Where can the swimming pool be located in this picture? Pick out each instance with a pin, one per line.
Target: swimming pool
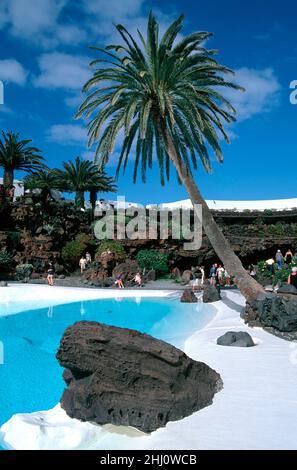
(30, 376)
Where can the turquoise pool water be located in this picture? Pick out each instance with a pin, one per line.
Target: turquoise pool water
(30, 376)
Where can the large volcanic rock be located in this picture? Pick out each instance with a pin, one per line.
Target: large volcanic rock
(121, 376)
(210, 293)
(188, 296)
(271, 310)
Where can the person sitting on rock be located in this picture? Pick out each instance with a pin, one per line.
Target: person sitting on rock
(292, 279)
(119, 281)
(137, 279)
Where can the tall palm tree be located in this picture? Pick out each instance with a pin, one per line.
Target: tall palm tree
(81, 176)
(45, 180)
(16, 154)
(167, 96)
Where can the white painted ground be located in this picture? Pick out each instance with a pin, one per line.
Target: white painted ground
(17, 298)
(255, 410)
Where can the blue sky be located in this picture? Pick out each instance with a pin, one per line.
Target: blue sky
(44, 63)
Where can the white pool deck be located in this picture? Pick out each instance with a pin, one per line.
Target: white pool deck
(257, 409)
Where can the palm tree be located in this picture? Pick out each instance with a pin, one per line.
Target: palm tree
(16, 154)
(164, 95)
(81, 176)
(167, 96)
(104, 185)
(45, 180)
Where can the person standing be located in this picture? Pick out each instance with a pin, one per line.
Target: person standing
(88, 258)
(279, 259)
(50, 274)
(82, 264)
(220, 275)
(288, 256)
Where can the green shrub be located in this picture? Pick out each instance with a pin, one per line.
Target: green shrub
(268, 211)
(5, 259)
(24, 271)
(73, 250)
(113, 246)
(153, 259)
(14, 239)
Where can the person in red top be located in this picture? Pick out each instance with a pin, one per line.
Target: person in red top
(292, 279)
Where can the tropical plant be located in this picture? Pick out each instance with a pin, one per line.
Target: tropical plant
(45, 180)
(113, 246)
(81, 176)
(5, 259)
(153, 259)
(73, 250)
(24, 271)
(164, 96)
(16, 154)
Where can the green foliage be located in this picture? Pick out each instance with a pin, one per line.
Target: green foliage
(281, 275)
(276, 229)
(16, 154)
(14, 239)
(153, 259)
(24, 271)
(163, 89)
(73, 250)
(5, 259)
(268, 211)
(80, 176)
(112, 245)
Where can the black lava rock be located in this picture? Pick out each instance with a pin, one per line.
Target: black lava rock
(121, 376)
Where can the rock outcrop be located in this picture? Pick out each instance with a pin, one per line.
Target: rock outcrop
(121, 376)
(271, 310)
(210, 293)
(188, 296)
(236, 338)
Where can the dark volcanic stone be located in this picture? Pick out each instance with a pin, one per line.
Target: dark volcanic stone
(150, 275)
(271, 310)
(236, 338)
(210, 293)
(287, 289)
(188, 296)
(121, 376)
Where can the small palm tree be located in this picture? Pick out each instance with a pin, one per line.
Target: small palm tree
(167, 97)
(45, 180)
(16, 154)
(81, 176)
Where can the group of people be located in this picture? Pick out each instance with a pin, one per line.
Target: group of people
(119, 280)
(280, 260)
(219, 275)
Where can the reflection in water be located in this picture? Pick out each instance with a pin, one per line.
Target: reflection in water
(138, 300)
(50, 312)
(82, 309)
(119, 299)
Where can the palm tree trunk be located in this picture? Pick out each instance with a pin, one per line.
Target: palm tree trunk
(93, 199)
(250, 288)
(8, 178)
(80, 199)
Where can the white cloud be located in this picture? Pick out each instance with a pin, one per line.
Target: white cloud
(60, 70)
(38, 22)
(261, 95)
(12, 71)
(68, 134)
